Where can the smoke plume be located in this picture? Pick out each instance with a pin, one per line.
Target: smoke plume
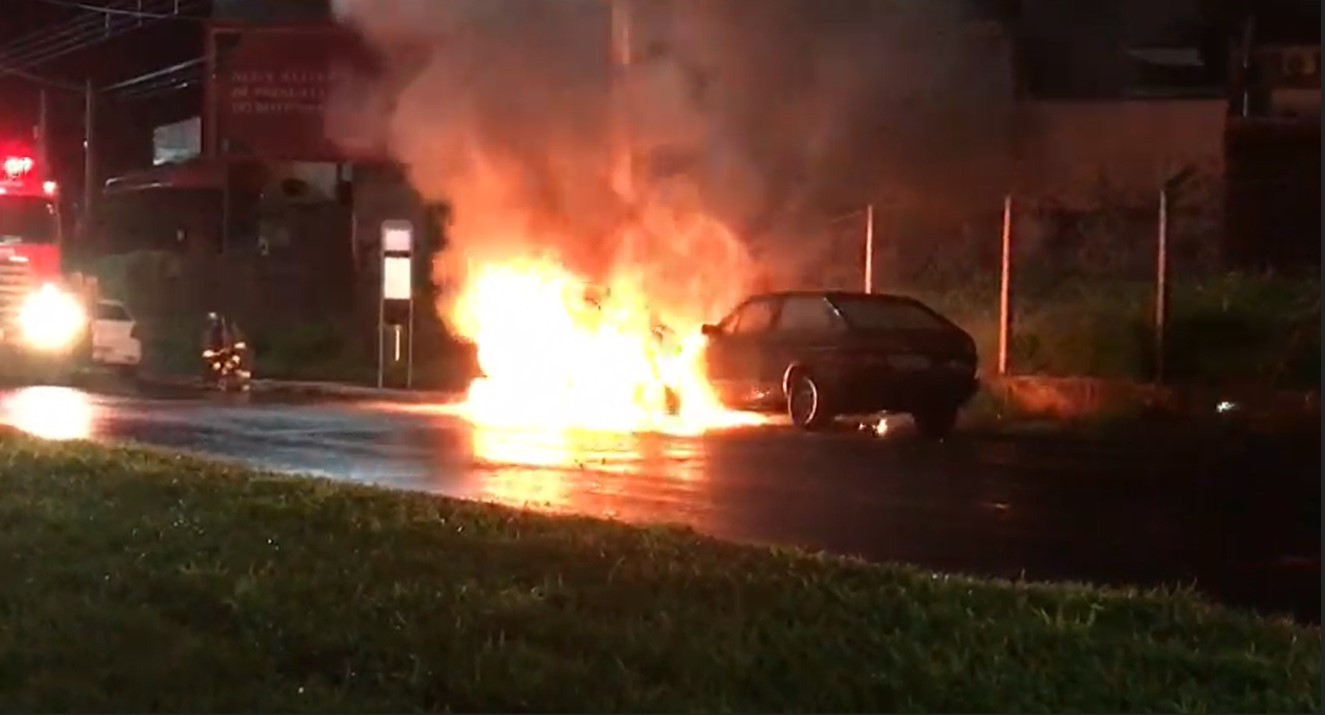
(749, 120)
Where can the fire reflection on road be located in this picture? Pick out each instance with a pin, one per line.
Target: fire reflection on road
(567, 470)
(529, 465)
(54, 413)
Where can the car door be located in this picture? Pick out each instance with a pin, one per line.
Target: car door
(734, 355)
(807, 326)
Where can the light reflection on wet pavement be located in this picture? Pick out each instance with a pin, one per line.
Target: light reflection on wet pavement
(1050, 507)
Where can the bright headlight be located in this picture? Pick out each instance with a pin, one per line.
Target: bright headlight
(51, 318)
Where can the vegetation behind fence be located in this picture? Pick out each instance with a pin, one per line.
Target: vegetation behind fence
(1084, 288)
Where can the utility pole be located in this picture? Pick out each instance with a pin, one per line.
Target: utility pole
(89, 159)
(622, 118)
(43, 130)
(869, 248)
(1005, 291)
(1162, 286)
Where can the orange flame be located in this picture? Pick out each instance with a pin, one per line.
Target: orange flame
(554, 357)
(623, 353)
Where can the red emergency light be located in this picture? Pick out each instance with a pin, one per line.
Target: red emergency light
(17, 166)
(18, 175)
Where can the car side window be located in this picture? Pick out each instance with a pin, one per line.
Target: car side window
(808, 315)
(756, 317)
(112, 312)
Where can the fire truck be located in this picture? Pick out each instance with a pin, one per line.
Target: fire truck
(44, 328)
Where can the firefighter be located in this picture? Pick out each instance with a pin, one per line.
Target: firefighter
(215, 337)
(225, 355)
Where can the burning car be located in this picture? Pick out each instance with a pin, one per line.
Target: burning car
(820, 355)
(663, 349)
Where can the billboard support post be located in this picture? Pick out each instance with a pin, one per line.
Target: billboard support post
(1005, 290)
(397, 287)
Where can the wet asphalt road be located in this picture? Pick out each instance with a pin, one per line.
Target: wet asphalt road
(1237, 515)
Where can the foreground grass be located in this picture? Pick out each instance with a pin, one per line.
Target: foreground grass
(137, 581)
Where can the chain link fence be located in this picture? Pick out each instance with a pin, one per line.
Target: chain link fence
(1084, 286)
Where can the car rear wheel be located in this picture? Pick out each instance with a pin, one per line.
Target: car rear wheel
(935, 424)
(807, 404)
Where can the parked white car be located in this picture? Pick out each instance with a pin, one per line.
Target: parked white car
(115, 341)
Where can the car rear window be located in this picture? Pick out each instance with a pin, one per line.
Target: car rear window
(866, 313)
(111, 311)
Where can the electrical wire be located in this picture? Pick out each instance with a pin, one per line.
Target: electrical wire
(77, 34)
(40, 80)
(172, 79)
(123, 12)
(88, 38)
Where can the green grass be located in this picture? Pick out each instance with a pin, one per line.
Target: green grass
(143, 581)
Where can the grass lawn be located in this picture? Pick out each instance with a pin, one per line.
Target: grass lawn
(140, 581)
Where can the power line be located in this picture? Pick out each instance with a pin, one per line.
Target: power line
(124, 12)
(164, 81)
(164, 73)
(42, 46)
(38, 79)
(45, 36)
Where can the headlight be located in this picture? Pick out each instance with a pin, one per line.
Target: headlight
(51, 318)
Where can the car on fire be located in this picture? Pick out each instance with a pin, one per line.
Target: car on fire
(664, 345)
(821, 355)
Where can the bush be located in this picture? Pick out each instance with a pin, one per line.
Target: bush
(1233, 328)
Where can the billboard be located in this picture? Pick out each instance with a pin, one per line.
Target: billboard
(180, 141)
(268, 86)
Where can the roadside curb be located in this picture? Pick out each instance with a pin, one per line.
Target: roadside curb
(309, 388)
(334, 389)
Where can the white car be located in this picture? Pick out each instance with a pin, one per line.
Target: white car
(115, 341)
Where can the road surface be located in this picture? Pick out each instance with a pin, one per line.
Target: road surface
(1238, 516)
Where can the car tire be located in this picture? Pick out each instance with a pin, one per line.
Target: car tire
(807, 402)
(935, 424)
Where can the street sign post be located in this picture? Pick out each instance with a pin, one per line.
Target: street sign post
(397, 294)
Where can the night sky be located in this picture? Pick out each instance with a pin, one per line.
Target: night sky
(70, 43)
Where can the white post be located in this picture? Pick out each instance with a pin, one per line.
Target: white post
(869, 248)
(397, 286)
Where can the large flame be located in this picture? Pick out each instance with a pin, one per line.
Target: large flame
(557, 351)
(624, 352)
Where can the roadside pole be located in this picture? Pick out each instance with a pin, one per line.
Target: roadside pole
(89, 159)
(396, 297)
(623, 130)
(869, 248)
(43, 128)
(1162, 285)
(1005, 290)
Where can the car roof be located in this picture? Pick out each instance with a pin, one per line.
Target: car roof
(830, 295)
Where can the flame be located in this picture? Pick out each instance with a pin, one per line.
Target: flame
(559, 352)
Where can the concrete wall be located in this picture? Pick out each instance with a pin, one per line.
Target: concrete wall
(1068, 149)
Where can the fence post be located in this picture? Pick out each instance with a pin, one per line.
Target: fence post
(1162, 285)
(869, 248)
(1005, 290)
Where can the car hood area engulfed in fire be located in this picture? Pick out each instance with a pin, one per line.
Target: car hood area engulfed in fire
(557, 351)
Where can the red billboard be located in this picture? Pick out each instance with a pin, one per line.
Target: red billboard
(268, 87)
